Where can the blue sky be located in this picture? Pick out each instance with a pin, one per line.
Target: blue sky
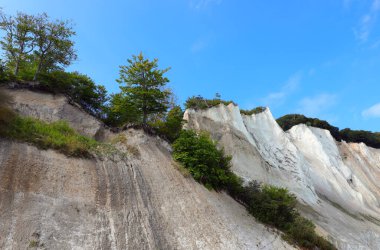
(318, 58)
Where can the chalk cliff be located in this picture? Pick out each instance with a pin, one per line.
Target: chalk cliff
(338, 183)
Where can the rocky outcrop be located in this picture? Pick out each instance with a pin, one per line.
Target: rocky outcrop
(337, 183)
(134, 201)
(50, 108)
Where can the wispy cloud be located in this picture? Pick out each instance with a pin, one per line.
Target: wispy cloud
(367, 22)
(279, 97)
(347, 3)
(315, 105)
(202, 4)
(199, 45)
(372, 112)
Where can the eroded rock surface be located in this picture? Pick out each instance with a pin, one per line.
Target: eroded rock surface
(50, 108)
(134, 201)
(337, 183)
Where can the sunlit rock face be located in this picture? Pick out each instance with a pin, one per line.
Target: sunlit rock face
(51, 108)
(134, 201)
(337, 183)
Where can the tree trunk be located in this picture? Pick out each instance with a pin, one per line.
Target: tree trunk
(17, 67)
(38, 70)
(145, 118)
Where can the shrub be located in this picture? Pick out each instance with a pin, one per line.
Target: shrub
(198, 102)
(288, 121)
(369, 138)
(206, 163)
(271, 205)
(256, 110)
(79, 88)
(171, 125)
(277, 207)
(302, 233)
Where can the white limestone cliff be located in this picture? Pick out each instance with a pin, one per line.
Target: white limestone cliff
(338, 184)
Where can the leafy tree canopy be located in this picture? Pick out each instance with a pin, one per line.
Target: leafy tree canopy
(144, 85)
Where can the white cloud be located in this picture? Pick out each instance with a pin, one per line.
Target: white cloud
(367, 22)
(202, 4)
(279, 96)
(347, 3)
(198, 45)
(313, 106)
(376, 5)
(373, 111)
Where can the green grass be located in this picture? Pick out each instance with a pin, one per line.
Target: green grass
(57, 135)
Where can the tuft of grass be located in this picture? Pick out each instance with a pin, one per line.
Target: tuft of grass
(33, 244)
(184, 171)
(57, 135)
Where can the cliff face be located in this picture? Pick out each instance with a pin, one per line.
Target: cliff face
(138, 201)
(336, 182)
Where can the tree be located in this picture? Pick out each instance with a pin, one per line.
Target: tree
(145, 86)
(171, 125)
(121, 110)
(55, 48)
(19, 39)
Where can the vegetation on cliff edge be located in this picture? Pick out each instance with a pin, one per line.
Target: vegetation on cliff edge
(273, 206)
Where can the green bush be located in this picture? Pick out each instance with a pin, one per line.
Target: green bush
(79, 88)
(369, 138)
(198, 102)
(206, 163)
(256, 110)
(56, 135)
(171, 125)
(277, 207)
(272, 205)
(288, 121)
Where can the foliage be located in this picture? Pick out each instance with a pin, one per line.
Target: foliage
(18, 41)
(144, 86)
(121, 110)
(302, 233)
(271, 205)
(206, 163)
(369, 138)
(79, 88)
(6, 115)
(36, 44)
(170, 127)
(56, 135)
(288, 121)
(277, 207)
(256, 110)
(54, 44)
(198, 102)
